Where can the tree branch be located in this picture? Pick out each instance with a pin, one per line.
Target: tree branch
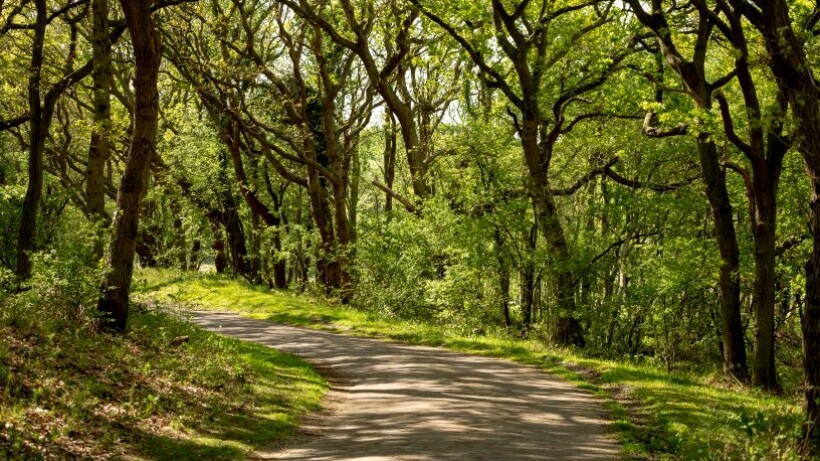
(404, 201)
(585, 179)
(642, 185)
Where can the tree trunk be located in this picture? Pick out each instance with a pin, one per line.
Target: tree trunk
(146, 243)
(503, 278)
(343, 241)
(280, 274)
(568, 330)
(235, 232)
(389, 160)
(120, 257)
(811, 336)
(100, 136)
(38, 130)
(220, 261)
(528, 280)
(326, 262)
(764, 373)
(790, 65)
(255, 259)
(734, 348)
(527, 295)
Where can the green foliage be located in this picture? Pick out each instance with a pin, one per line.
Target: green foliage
(62, 295)
(640, 240)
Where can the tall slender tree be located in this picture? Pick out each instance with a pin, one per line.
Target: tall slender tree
(147, 45)
(101, 134)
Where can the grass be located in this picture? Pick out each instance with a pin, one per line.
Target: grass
(73, 393)
(668, 415)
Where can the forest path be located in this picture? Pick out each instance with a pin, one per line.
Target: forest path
(393, 402)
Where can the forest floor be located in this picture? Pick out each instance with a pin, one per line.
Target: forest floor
(656, 414)
(400, 402)
(167, 390)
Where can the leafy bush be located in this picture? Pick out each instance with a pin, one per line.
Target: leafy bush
(61, 295)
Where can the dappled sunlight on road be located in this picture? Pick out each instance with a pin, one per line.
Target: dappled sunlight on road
(398, 402)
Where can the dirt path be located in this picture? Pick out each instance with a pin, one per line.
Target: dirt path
(394, 402)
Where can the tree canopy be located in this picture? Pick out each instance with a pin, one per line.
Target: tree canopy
(636, 179)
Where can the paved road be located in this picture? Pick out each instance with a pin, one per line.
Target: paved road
(392, 402)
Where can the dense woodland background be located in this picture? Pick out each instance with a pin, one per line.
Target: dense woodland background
(638, 179)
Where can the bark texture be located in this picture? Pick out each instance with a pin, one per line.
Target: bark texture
(147, 45)
(38, 130)
(100, 136)
(790, 66)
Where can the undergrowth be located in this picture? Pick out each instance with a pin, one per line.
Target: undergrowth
(166, 390)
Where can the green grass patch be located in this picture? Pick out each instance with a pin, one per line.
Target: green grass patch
(670, 415)
(80, 394)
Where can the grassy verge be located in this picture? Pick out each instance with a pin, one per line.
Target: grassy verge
(671, 416)
(78, 394)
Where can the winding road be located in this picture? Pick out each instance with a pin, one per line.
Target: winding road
(394, 402)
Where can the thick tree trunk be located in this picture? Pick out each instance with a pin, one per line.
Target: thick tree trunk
(734, 348)
(810, 320)
(120, 257)
(100, 135)
(568, 330)
(790, 65)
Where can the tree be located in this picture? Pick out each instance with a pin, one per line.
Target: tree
(790, 65)
(101, 136)
(120, 256)
(540, 42)
(389, 70)
(41, 106)
(765, 151)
